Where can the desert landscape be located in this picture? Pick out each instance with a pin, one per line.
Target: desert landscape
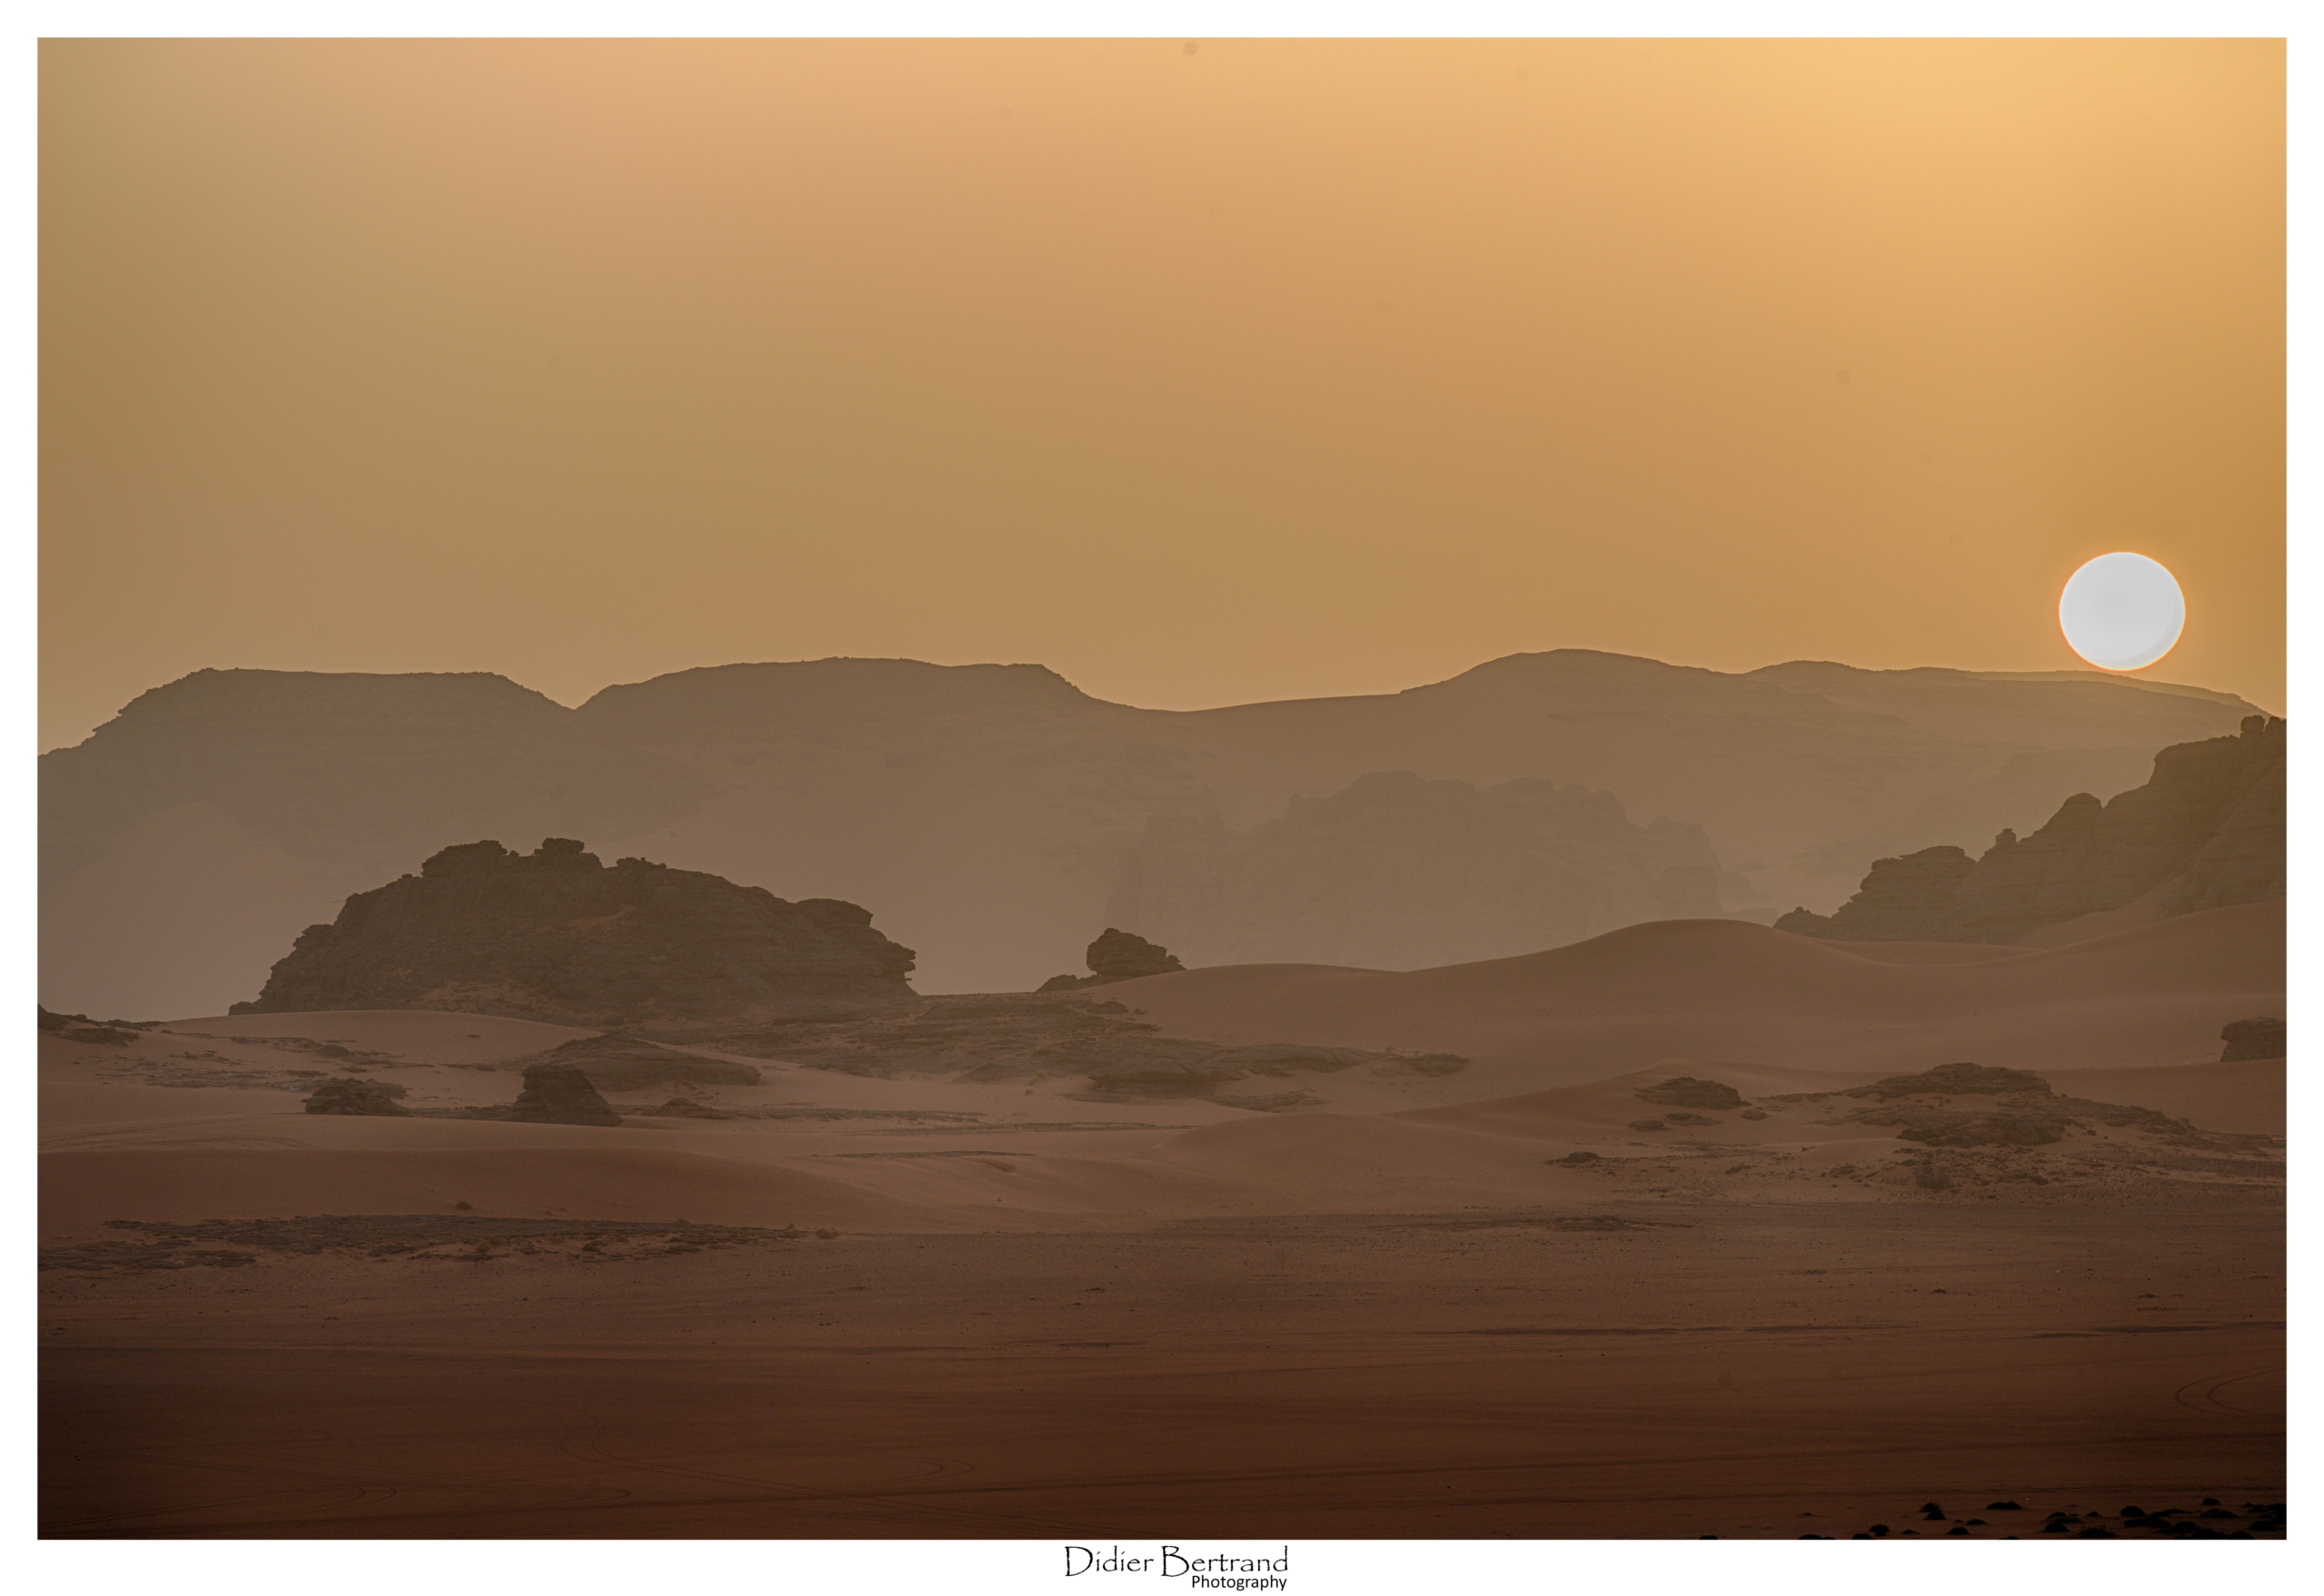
(1089, 794)
(1699, 1228)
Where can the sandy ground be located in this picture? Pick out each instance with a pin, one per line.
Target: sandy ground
(1724, 1369)
(1400, 1313)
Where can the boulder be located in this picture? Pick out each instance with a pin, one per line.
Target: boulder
(1116, 955)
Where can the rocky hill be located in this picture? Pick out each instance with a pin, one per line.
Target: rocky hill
(994, 813)
(556, 935)
(2205, 830)
(1396, 872)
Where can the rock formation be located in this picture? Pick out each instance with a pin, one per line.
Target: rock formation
(357, 1096)
(984, 807)
(560, 1094)
(2251, 1039)
(1396, 872)
(556, 935)
(618, 1063)
(1116, 955)
(1686, 1091)
(2207, 829)
(2025, 1112)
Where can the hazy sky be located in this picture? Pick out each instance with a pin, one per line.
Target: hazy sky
(1203, 375)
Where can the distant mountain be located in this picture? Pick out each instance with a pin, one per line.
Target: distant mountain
(2205, 831)
(989, 815)
(1394, 872)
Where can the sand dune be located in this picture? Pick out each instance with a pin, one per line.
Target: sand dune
(2153, 995)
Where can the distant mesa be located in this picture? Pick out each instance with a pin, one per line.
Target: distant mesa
(2251, 1039)
(556, 935)
(2206, 831)
(1115, 956)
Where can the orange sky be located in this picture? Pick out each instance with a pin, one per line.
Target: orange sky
(1257, 371)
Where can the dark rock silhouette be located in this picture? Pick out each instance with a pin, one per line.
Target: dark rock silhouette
(618, 1063)
(560, 1094)
(2207, 829)
(357, 1096)
(1685, 1092)
(80, 1028)
(558, 936)
(2251, 1039)
(1115, 956)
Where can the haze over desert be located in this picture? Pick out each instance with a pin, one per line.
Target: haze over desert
(1290, 815)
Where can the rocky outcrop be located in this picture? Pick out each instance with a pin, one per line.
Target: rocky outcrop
(2251, 1039)
(2207, 829)
(1687, 1091)
(1952, 1080)
(560, 1094)
(1116, 955)
(1396, 872)
(2025, 1110)
(357, 1096)
(558, 935)
(619, 1063)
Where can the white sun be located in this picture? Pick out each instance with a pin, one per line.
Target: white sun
(2121, 611)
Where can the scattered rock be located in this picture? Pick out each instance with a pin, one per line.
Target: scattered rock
(1952, 1127)
(1755, 1114)
(1024, 1037)
(1953, 1080)
(1686, 1092)
(1575, 1158)
(357, 1096)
